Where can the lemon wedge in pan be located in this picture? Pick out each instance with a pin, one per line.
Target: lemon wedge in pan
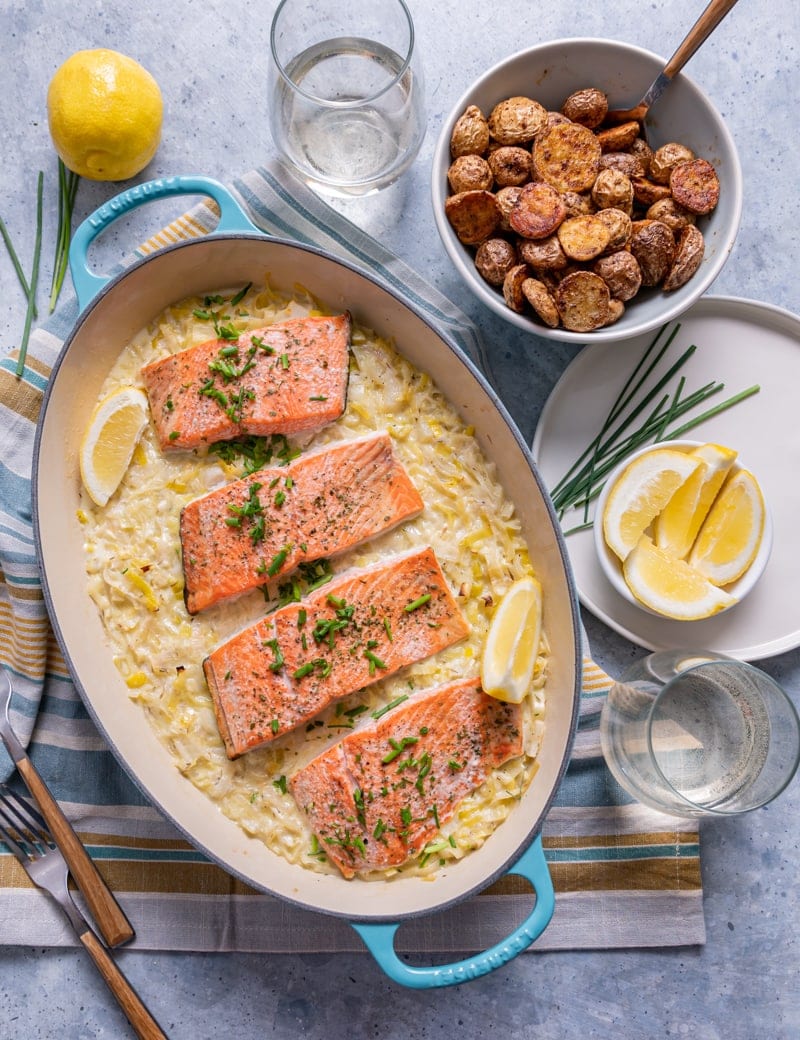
(110, 440)
(512, 644)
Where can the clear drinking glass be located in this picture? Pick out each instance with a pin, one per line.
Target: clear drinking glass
(346, 94)
(695, 733)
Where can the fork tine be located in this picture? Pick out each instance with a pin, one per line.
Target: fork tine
(26, 813)
(6, 825)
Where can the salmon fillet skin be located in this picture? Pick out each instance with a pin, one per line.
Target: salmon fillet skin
(376, 797)
(290, 377)
(265, 525)
(365, 625)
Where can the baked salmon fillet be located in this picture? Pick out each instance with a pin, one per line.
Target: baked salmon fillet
(375, 798)
(290, 377)
(363, 626)
(264, 526)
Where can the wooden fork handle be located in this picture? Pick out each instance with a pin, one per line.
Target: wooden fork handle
(106, 911)
(128, 999)
(699, 32)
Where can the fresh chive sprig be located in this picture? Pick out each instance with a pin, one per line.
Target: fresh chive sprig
(640, 414)
(67, 190)
(34, 282)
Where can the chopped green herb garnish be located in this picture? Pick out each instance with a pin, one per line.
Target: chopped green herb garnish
(281, 784)
(278, 560)
(417, 603)
(380, 712)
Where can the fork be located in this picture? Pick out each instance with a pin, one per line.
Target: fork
(26, 837)
(111, 920)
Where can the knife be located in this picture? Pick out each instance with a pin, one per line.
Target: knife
(111, 920)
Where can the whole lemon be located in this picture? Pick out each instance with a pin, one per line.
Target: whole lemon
(105, 113)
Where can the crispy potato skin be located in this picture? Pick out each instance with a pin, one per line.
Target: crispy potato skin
(494, 259)
(569, 216)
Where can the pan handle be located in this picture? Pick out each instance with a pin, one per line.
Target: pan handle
(379, 938)
(87, 283)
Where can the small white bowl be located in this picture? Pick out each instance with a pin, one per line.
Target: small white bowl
(611, 564)
(549, 73)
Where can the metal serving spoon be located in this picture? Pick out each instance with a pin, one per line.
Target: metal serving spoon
(699, 32)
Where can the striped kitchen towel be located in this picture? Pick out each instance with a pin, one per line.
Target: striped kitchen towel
(624, 875)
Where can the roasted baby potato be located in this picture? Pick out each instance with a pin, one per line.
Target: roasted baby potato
(582, 301)
(494, 259)
(470, 173)
(653, 245)
(510, 166)
(571, 217)
(470, 134)
(567, 156)
(538, 211)
(473, 214)
(587, 107)
(516, 120)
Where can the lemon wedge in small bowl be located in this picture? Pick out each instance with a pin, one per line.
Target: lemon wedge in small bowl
(693, 552)
(512, 643)
(110, 440)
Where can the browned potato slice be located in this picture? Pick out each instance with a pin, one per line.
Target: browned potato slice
(510, 165)
(669, 212)
(470, 173)
(619, 226)
(695, 186)
(653, 245)
(618, 138)
(582, 301)
(538, 211)
(587, 107)
(494, 259)
(516, 120)
(646, 192)
(506, 200)
(470, 134)
(666, 158)
(567, 156)
(613, 188)
(543, 253)
(616, 308)
(621, 273)
(584, 238)
(473, 215)
(512, 288)
(627, 163)
(538, 296)
(688, 257)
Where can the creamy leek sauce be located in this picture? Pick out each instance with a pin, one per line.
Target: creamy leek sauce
(135, 578)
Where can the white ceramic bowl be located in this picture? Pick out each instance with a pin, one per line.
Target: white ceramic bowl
(611, 565)
(549, 73)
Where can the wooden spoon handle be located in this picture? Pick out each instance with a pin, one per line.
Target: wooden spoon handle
(145, 1026)
(699, 32)
(106, 911)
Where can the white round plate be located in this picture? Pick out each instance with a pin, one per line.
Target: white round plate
(739, 343)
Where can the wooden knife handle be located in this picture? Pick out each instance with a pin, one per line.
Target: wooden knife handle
(106, 911)
(144, 1024)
